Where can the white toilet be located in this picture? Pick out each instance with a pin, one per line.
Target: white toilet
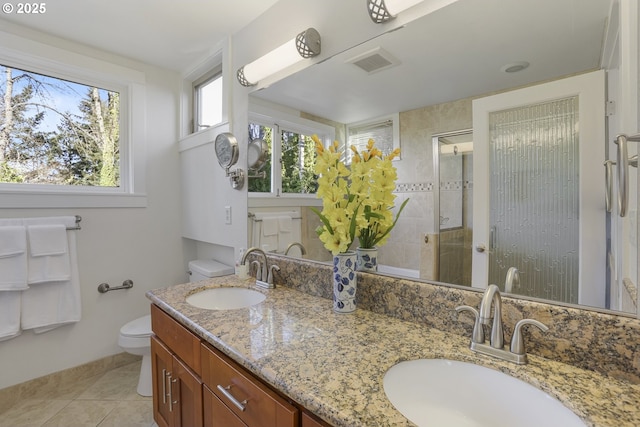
(135, 336)
(202, 269)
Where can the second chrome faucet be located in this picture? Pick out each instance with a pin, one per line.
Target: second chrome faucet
(496, 347)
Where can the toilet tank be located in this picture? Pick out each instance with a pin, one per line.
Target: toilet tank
(202, 269)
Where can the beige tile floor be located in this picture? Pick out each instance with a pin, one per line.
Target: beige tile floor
(108, 400)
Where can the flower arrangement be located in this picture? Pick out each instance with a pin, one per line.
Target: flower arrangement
(357, 202)
(373, 178)
(339, 205)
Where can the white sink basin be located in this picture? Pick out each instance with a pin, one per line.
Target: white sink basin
(225, 298)
(440, 392)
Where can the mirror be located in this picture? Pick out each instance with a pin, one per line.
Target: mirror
(226, 147)
(433, 68)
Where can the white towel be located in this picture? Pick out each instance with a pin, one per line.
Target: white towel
(284, 233)
(49, 255)
(48, 305)
(47, 240)
(10, 314)
(270, 226)
(13, 258)
(284, 224)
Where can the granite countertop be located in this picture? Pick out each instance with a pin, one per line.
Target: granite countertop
(333, 364)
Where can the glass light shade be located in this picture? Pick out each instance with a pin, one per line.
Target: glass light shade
(394, 7)
(304, 45)
(383, 10)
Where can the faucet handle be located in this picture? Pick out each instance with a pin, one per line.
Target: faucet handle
(258, 266)
(478, 332)
(270, 278)
(517, 342)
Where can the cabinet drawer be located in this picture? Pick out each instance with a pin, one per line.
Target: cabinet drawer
(216, 414)
(182, 342)
(309, 420)
(255, 404)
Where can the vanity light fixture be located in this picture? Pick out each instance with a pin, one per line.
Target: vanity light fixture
(304, 45)
(383, 10)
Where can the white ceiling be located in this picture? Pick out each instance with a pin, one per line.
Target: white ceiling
(172, 34)
(454, 53)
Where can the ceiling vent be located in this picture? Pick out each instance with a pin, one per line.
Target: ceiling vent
(374, 60)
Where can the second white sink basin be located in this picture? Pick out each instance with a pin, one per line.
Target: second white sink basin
(225, 298)
(442, 393)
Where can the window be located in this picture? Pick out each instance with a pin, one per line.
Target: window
(384, 131)
(207, 95)
(72, 129)
(57, 132)
(289, 142)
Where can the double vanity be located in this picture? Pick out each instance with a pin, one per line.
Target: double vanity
(320, 368)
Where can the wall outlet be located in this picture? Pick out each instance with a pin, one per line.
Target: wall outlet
(227, 214)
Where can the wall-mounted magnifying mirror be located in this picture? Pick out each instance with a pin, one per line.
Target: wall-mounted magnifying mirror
(227, 152)
(257, 157)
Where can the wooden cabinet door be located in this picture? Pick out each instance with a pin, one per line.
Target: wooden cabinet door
(216, 414)
(162, 366)
(187, 395)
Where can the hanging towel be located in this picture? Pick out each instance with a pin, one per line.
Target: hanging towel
(270, 226)
(47, 240)
(284, 224)
(13, 258)
(48, 305)
(10, 314)
(49, 255)
(284, 233)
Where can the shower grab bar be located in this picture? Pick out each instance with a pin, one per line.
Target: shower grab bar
(623, 162)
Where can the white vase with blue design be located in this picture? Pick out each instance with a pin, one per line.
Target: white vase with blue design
(344, 282)
(367, 259)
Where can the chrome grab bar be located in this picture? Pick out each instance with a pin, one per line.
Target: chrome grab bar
(104, 287)
(623, 162)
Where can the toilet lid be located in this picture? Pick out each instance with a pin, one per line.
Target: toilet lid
(140, 327)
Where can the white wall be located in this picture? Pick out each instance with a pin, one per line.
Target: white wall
(141, 244)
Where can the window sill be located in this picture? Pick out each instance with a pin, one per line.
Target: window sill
(43, 199)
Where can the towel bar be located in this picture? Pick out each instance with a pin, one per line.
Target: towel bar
(77, 226)
(104, 287)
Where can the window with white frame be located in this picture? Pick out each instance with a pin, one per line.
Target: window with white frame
(289, 168)
(385, 131)
(71, 129)
(57, 132)
(207, 96)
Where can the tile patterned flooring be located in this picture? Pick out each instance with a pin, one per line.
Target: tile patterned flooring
(107, 400)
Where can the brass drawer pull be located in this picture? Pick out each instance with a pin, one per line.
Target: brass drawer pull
(227, 392)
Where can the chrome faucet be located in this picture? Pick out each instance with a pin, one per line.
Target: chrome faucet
(492, 298)
(303, 251)
(496, 347)
(262, 272)
(512, 279)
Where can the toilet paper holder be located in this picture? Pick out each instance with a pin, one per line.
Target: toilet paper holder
(104, 287)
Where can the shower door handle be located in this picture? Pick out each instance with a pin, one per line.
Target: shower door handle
(492, 237)
(622, 161)
(608, 176)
